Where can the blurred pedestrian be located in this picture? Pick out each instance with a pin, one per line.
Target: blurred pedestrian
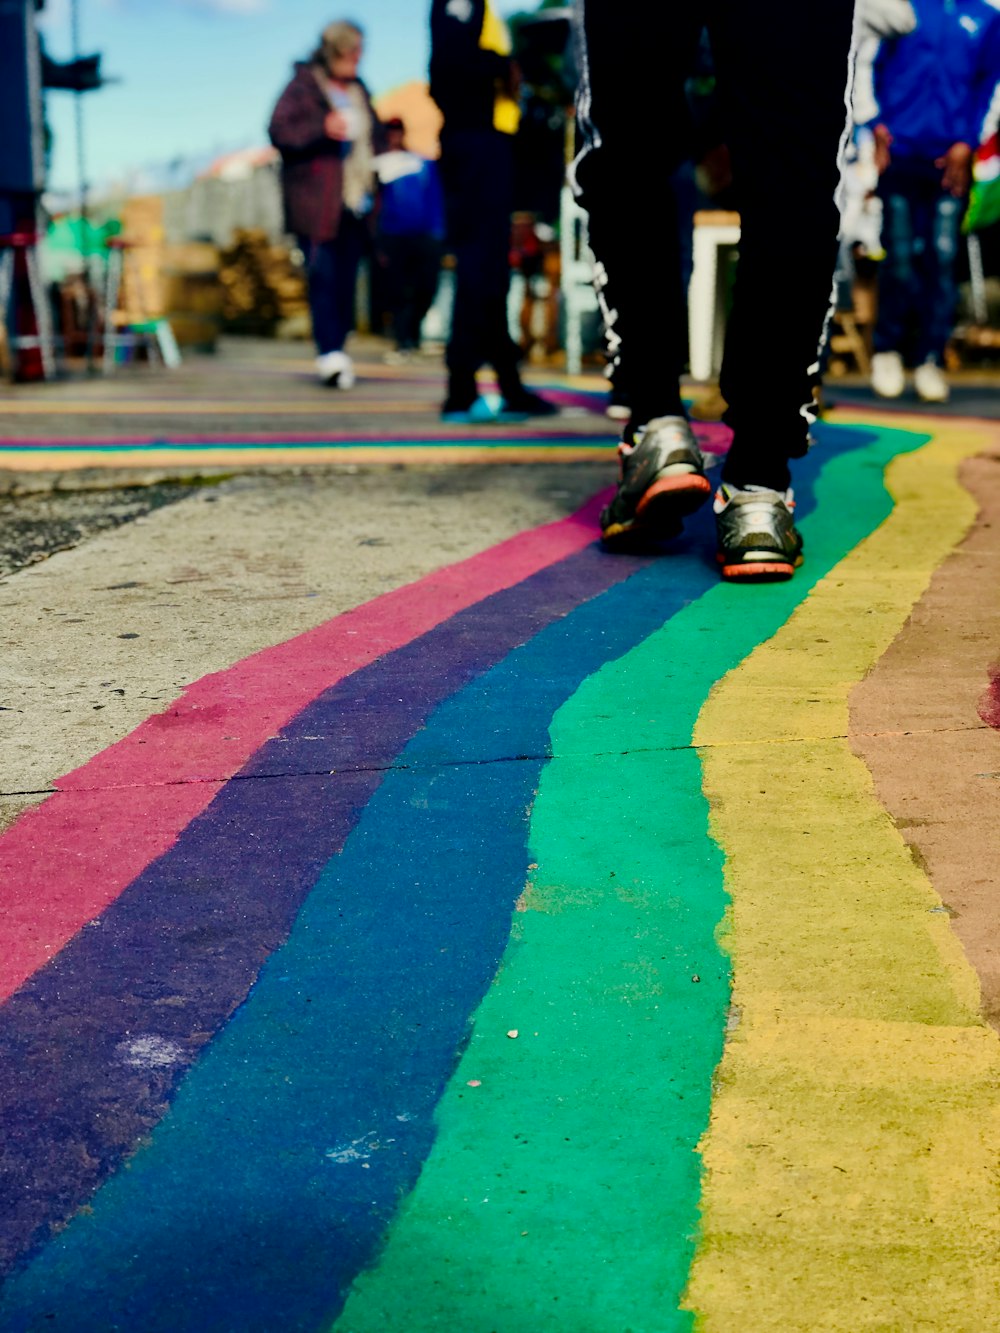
(409, 234)
(326, 132)
(474, 81)
(933, 87)
(782, 78)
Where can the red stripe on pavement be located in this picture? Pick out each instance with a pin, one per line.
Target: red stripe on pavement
(64, 861)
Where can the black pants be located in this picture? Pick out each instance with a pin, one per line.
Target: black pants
(412, 264)
(477, 171)
(782, 70)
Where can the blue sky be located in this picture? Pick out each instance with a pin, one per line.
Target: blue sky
(202, 75)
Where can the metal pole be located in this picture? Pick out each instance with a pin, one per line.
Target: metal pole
(83, 188)
(977, 283)
(78, 106)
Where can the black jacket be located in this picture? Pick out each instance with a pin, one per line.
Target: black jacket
(465, 79)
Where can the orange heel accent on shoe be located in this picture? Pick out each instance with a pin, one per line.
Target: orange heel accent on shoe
(765, 570)
(691, 486)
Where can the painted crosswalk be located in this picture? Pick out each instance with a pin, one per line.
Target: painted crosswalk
(525, 948)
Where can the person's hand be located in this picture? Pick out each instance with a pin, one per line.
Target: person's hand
(336, 127)
(883, 142)
(957, 168)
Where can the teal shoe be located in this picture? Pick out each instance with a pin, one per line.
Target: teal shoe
(484, 411)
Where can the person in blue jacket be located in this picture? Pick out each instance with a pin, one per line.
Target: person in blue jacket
(409, 234)
(933, 87)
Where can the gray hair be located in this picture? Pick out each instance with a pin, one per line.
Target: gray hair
(338, 39)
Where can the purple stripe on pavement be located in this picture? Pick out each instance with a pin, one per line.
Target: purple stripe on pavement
(93, 1047)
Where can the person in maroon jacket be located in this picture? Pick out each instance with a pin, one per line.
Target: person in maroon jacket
(327, 134)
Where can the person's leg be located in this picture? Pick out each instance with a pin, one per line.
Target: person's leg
(421, 265)
(939, 291)
(406, 330)
(321, 288)
(936, 221)
(426, 269)
(633, 121)
(390, 249)
(347, 250)
(475, 166)
(783, 73)
(326, 278)
(477, 169)
(897, 278)
(492, 261)
(634, 126)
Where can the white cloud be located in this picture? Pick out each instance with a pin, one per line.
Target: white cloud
(56, 14)
(229, 6)
(237, 7)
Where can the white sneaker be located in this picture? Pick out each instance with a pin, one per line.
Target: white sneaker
(888, 375)
(930, 383)
(335, 369)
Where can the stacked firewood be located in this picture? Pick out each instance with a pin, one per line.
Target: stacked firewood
(264, 288)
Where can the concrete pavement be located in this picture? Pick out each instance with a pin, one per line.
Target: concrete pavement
(418, 919)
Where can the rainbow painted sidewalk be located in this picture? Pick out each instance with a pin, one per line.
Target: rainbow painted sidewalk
(526, 949)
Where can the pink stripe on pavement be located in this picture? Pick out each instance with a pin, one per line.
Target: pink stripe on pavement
(486, 431)
(63, 862)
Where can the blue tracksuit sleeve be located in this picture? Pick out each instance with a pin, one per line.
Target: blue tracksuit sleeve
(934, 85)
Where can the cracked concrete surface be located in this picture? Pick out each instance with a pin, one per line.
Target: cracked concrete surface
(96, 638)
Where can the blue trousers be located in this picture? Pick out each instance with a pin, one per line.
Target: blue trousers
(332, 272)
(917, 288)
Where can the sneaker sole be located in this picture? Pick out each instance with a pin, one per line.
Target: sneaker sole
(760, 571)
(660, 513)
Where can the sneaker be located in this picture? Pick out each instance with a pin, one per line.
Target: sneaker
(888, 377)
(520, 406)
(480, 412)
(491, 410)
(930, 383)
(335, 369)
(662, 480)
(756, 533)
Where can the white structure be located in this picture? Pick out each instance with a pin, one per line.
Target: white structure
(577, 277)
(715, 235)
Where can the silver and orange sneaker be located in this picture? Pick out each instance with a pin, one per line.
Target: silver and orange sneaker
(662, 480)
(757, 536)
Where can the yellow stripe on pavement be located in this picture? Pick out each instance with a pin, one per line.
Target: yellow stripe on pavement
(144, 407)
(42, 459)
(851, 1163)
